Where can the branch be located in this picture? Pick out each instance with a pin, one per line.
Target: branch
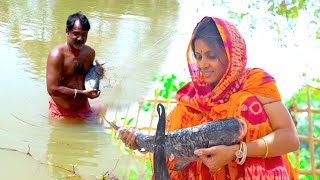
(24, 121)
(74, 173)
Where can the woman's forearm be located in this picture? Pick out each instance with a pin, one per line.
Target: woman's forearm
(279, 142)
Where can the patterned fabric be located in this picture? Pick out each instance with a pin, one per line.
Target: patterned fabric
(234, 96)
(60, 113)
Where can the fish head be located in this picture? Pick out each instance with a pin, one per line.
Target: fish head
(92, 79)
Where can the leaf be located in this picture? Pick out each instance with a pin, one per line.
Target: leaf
(317, 13)
(129, 121)
(293, 12)
(146, 106)
(182, 84)
(318, 35)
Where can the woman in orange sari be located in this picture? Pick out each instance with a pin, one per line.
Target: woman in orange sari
(222, 87)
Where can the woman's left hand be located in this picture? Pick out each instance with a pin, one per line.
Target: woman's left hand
(217, 156)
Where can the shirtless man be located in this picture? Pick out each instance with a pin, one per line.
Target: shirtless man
(67, 66)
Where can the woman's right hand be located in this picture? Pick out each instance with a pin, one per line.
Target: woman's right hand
(128, 137)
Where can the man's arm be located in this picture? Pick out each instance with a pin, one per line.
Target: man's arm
(54, 74)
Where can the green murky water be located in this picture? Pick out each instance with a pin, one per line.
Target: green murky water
(132, 36)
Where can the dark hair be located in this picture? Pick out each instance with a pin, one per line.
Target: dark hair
(207, 31)
(78, 16)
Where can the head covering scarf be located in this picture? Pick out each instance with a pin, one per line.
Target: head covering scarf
(234, 96)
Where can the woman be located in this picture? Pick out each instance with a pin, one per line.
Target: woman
(222, 87)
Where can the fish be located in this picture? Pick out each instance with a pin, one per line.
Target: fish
(92, 78)
(180, 144)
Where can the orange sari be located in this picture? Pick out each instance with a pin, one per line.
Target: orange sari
(234, 96)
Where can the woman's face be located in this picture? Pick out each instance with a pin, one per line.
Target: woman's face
(211, 67)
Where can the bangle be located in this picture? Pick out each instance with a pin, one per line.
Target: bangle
(241, 154)
(75, 93)
(267, 148)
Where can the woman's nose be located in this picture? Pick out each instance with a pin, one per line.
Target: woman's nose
(203, 64)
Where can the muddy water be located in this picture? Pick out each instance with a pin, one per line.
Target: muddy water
(149, 35)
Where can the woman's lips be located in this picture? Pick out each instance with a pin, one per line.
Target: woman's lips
(207, 74)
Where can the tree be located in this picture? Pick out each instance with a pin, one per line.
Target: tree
(288, 19)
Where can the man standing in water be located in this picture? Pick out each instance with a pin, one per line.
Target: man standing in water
(67, 66)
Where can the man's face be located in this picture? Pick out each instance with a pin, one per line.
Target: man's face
(77, 37)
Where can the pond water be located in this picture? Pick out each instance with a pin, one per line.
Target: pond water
(143, 36)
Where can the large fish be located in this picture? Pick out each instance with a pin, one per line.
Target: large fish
(180, 144)
(92, 80)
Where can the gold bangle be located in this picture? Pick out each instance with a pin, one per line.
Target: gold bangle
(267, 148)
(75, 93)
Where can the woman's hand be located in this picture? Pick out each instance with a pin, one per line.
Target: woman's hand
(217, 156)
(128, 137)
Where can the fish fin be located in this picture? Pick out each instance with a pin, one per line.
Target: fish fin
(180, 165)
(159, 159)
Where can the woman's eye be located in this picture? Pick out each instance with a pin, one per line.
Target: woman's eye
(212, 57)
(198, 57)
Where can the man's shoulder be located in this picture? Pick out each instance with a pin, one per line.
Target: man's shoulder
(58, 48)
(89, 49)
(57, 51)
(89, 52)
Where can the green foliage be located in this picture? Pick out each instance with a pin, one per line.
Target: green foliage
(128, 122)
(135, 173)
(169, 85)
(281, 16)
(305, 177)
(146, 106)
(303, 126)
(286, 8)
(291, 157)
(305, 158)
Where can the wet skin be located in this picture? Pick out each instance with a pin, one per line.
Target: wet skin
(67, 66)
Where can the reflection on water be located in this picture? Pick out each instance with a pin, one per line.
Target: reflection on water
(136, 39)
(74, 145)
(87, 150)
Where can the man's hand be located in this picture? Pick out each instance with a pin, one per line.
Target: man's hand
(91, 93)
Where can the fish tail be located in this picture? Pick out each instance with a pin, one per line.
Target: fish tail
(159, 156)
(114, 126)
